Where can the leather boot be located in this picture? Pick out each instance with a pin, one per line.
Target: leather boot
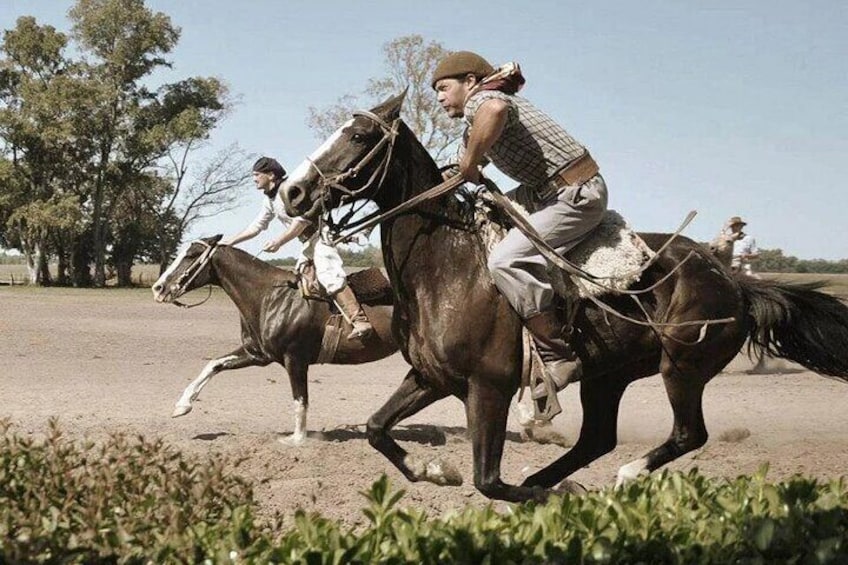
(353, 312)
(561, 362)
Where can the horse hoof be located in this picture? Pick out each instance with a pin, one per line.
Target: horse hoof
(442, 473)
(181, 410)
(293, 440)
(570, 487)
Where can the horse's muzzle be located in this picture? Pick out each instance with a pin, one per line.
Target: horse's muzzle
(161, 293)
(294, 197)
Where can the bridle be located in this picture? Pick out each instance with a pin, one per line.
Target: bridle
(188, 276)
(328, 183)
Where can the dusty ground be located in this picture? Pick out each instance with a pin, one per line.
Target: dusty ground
(104, 361)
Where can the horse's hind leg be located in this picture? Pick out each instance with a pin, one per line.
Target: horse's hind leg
(684, 385)
(235, 360)
(600, 400)
(411, 396)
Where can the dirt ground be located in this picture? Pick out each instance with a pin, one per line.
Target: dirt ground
(106, 361)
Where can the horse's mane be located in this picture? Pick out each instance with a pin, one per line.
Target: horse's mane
(287, 273)
(448, 209)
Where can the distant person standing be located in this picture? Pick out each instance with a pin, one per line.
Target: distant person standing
(744, 247)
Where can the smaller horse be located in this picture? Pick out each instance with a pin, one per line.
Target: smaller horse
(277, 323)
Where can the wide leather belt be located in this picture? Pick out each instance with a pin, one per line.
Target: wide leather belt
(577, 172)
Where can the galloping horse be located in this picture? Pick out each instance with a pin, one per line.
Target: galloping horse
(461, 337)
(277, 323)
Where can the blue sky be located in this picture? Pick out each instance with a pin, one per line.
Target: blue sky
(727, 107)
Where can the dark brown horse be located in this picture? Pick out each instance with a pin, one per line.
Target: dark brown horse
(277, 323)
(463, 339)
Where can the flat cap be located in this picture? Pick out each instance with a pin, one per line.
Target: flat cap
(269, 166)
(461, 63)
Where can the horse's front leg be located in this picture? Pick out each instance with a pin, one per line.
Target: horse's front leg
(487, 408)
(411, 396)
(297, 368)
(235, 360)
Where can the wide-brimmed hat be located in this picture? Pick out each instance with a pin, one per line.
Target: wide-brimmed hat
(736, 220)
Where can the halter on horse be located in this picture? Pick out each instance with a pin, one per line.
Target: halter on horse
(463, 339)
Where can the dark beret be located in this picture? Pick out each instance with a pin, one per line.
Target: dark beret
(269, 166)
(459, 64)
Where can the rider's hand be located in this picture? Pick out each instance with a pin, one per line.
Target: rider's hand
(271, 247)
(469, 171)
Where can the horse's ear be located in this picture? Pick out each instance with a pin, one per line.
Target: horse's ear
(390, 109)
(214, 239)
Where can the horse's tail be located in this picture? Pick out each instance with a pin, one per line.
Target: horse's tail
(799, 323)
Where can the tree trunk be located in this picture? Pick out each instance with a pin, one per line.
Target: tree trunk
(31, 265)
(124, 272)
(62, 278)
(44, 278)
(81, 262)
(98, 243)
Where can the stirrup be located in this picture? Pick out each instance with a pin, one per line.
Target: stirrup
(543, 391)
(360, 331)
(558, 374)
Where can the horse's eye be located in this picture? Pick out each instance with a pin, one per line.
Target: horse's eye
(358, 137)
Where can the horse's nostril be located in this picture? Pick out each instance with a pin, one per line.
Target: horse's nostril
(296, 195)
(157, 288)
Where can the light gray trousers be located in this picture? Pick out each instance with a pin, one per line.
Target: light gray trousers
(518, 269)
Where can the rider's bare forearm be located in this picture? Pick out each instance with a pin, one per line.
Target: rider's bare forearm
(489, 123)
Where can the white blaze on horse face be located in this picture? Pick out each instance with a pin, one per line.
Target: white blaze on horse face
(302, 171)
(160, 291)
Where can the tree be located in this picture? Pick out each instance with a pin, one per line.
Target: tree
(410, 63)
(94, 130)
(37, 94)
(216, 186)
(127, 42)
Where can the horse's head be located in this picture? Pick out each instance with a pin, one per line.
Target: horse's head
(188, 271)
(350, 165)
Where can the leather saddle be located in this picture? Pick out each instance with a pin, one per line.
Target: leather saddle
(370, 285)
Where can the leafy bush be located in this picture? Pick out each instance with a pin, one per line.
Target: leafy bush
(133, 499)
(139, 501)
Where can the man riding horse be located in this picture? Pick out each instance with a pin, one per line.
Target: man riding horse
(268, 174)
(560, 187)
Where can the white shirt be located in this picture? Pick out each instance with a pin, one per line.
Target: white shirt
(271, 208)
(745, 246)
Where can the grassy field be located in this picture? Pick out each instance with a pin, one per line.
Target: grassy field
(142, 275)
(146, 275)
(836, 284)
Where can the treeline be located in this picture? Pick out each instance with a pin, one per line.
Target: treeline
(774, 261)
(769, 261)
(368, 256)
(99, 166)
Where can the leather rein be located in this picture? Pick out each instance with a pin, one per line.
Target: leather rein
(390, 132)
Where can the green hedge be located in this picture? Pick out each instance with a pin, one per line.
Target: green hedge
(130, 500)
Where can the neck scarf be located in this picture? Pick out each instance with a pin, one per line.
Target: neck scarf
(506, 78)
